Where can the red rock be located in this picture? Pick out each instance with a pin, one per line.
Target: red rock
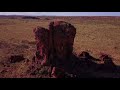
(106, 58)
(62, 35)
(108, 63)
(42, 42)
(55, 46)
(57, 72)
(84, 55)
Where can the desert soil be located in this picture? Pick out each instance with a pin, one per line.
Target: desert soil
(94, 34)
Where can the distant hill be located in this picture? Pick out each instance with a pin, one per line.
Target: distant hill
(30, 17)
(18, 17)
(83, 18)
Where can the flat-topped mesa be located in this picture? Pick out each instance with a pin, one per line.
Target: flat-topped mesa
(42, 41)
(62, 35)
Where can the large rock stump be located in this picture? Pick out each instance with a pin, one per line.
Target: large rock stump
(55, 46)
(62, 36)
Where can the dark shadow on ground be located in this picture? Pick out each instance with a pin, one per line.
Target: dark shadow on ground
(85, 66)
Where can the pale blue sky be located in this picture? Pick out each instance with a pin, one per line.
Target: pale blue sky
(62, 13)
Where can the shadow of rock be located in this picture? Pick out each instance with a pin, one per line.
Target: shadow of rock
(84, 66)
(55, 49)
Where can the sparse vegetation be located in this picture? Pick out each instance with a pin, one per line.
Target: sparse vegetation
(95, 35)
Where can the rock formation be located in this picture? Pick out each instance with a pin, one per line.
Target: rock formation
(55, 46)
(108, 63)
(42, 42)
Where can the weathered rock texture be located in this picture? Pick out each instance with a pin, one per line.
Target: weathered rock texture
(55, 49)
(62, 36)
(42, 42)
(55, 46)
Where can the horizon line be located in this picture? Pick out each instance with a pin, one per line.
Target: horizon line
(60, 13)
(59, 16)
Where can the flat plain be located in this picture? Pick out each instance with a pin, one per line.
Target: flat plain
(95, 35)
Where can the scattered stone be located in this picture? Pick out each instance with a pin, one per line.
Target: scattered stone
(16, 58)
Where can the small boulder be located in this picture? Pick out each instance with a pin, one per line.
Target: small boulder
(16, 58)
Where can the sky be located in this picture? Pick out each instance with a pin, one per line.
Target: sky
(62, 13)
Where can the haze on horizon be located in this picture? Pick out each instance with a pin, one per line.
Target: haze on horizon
(62, 13)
